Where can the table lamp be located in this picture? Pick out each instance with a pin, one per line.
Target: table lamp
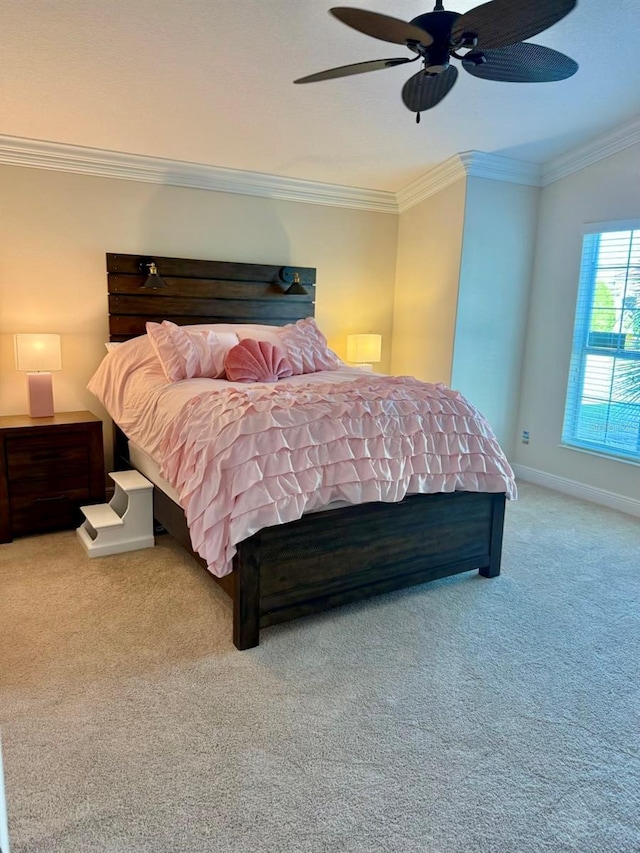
(362, 350)
(37, 355)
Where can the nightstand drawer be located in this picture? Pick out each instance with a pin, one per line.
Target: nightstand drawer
(38, 457)
(50, 485)
(36, 514)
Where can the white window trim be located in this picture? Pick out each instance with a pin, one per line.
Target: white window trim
(602, 452)
(603, 227)
(625, 460)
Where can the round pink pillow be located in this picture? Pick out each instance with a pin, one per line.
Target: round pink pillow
(256, 361)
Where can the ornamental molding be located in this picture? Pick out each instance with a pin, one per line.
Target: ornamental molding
(155, 170)
(471, 164)
(603, 146)
(40, 154)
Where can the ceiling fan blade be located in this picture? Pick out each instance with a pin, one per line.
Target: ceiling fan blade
(503, 22)
(356, 68)
(381, 26)
(423, 91)
(522, 63)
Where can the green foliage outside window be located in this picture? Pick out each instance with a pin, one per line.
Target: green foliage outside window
(603, 317)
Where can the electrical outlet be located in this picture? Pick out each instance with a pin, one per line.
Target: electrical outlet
(525, 436)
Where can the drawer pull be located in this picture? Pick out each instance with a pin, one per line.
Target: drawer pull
(49, 500)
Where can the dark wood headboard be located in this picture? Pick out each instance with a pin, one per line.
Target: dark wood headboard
(205, 292)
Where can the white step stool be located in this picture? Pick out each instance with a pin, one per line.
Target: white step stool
(125, 523)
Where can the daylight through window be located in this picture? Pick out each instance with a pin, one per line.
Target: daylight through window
(603, 398)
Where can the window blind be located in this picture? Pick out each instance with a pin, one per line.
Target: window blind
(603, 397)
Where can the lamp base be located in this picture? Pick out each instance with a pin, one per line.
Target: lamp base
(40, 387)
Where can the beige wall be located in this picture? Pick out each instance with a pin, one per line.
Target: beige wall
(55, 229)
(429, 251)
(608, 190)
(462, 288)
(493, 298)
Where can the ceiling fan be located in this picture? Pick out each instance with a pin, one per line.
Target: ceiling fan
(488, 41)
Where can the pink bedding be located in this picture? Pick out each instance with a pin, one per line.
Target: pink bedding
(243, 457)
(246, 458)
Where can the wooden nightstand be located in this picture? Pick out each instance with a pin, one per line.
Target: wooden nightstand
(48, 468)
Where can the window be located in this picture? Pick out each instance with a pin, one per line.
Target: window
(603, 398)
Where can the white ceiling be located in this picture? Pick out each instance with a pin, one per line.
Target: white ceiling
(210, 81)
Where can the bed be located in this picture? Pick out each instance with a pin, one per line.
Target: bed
(325, 558)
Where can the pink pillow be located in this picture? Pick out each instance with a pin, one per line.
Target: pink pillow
(189, 354)
(256, 361)
(307, 348)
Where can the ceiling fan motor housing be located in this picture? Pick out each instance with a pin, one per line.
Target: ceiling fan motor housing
(439, 26)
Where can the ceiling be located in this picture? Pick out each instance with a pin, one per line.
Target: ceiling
(210, 82)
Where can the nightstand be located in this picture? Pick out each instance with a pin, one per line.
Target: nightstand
(48, 468)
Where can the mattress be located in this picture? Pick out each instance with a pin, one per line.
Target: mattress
(151, 470)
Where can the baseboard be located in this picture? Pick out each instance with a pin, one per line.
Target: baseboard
(578, 490)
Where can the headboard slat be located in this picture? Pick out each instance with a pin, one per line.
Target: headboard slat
(159, 304)
(209, 288)
(190, 268)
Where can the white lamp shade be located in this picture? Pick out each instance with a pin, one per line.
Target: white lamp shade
(37, 352)
(362, 349)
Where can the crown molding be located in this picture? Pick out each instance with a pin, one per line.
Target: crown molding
(473, 164)
(477, 164)
(621, 137)
(495, 167)
(432, 182)
(58, 157)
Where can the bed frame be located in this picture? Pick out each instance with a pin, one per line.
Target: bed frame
(326, 558)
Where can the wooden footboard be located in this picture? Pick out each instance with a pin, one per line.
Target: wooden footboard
(330, 558)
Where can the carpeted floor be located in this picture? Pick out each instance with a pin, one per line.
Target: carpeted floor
(464, 715)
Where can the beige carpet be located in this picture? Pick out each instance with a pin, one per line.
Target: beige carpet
(464, 715)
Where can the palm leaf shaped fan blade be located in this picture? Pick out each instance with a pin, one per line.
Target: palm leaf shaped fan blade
(356, 68)
(381, 26)
(521, 63)
(502, 22)
(423, 91)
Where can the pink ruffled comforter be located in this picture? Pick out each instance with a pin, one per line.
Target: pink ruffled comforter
(246, 458)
